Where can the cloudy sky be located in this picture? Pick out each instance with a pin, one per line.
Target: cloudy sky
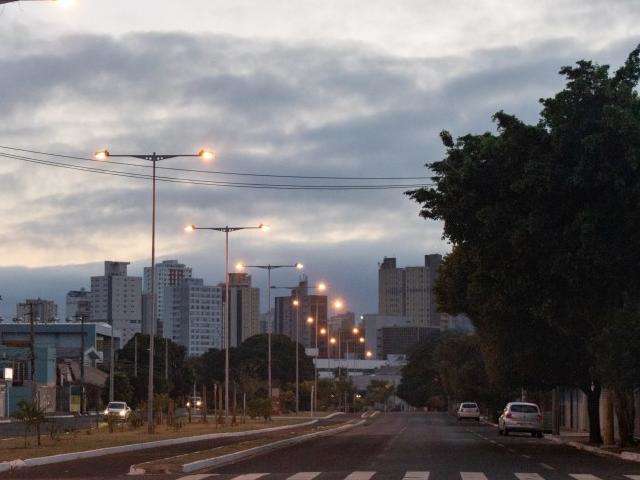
(328, 88)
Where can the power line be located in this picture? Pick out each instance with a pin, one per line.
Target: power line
(195, 181)
(211, 172)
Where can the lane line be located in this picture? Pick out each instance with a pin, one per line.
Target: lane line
(583, 476)
(304, 476)
(359, 475)
(473, 476)
(548, 467)
(526, 456)
(198, 476)
(528, 476)
(633, 477)
(419, 476)
(250, 476)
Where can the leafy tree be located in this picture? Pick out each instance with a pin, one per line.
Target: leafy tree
(620, 368)
(379, 391)
(421, 380)
(545, 223)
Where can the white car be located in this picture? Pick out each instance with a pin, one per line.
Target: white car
(521, 417)
(469, 410)
(117, 411)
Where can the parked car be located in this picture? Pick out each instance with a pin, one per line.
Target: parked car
(194, 403)
(521, 417)
(468, 410)
(117, 411)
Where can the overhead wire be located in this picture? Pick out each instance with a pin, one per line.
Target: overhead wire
(213, 172)
(203, 182)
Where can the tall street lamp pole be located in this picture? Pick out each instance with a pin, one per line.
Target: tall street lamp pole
(154, 158)
(268, 268)
(226, 325)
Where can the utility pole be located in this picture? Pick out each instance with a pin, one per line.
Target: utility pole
(32, 348)
(135, 355)
(83, 406)
(166, 358)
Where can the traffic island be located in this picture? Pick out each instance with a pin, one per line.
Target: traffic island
(228, 454)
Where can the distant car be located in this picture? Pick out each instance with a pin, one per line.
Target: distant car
(521, 417)
(469, 410)
(117, 411)
(194, 403)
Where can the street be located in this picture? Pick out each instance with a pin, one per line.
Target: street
(399, 446)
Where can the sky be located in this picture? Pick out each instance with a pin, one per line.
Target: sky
(313, 88)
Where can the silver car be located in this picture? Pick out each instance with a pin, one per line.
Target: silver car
(469, 410)
(521, 417)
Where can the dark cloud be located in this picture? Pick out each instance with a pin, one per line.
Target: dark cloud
(275, 107)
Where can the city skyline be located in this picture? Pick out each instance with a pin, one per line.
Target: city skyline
(327, 99)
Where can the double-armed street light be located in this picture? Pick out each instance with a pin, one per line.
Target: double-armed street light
(268, 268)
(226, 325)
(154, 158)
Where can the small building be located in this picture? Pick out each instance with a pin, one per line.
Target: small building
(19, 386)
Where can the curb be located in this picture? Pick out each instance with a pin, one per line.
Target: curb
(252, 452)
(628, 456)
(67, 457)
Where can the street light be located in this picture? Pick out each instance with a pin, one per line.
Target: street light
(268, 268)
(226, 325)
(154, 158)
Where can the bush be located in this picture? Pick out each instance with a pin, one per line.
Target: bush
(259, 407)
(135, 420)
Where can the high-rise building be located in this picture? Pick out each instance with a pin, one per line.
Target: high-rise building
(41, 311)
(409, 291)
(198, 310)
(167, 275)
(314, 306)
(77, 305)
(400, 340)
(342, 321)
(374, 322)
(244, 308)
(116, 299)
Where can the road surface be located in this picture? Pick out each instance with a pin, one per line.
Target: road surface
(413, 446)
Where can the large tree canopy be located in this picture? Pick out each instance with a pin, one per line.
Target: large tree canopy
(545, 225)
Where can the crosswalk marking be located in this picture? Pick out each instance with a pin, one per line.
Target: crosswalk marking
(250, 476)
(416, 476)
(304, 476)
(473, 476)
(360, 476)
(528, 476)
(584, 476)
(198, 476)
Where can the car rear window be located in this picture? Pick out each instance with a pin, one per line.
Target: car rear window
(118, 405)
(469, 405)
(524, 408)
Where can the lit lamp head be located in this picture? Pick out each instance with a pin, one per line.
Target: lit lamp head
(101, 154)
(309, 320)
(299, 266)
(356, 331)
(189, 228)
(362, 340)
(295, 302)
(264, 228)
(322, 287)
(206, 155)
(338, 304)
(332, 340)
(240, 266)
(323, 331)
(369, 354)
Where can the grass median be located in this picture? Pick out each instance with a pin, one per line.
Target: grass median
(93, 438)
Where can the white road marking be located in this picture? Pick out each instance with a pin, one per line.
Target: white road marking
(584, 476)
(526, 456)
(250, 476)
(416, 476)
(473, 476)
(633, 477)
(304, 476)
(197, 476)
(548, 467)
(528, 476)
(360, 476)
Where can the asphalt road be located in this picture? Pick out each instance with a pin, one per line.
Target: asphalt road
(429, 446)
(399, 446)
